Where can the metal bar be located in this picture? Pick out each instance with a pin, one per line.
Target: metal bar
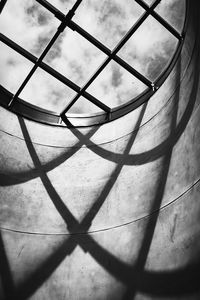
(52, 9)
(113, 53)
(72, 25)
(75, 27)
(2, 4)
(74, 8)
(133, 71)
(51, 71)
(34, 68)
(135, 27)
(61, 27)
(108, 52)
(73, 86)
(169, 27)
(17, 48)
(57, 13)
(162, 21)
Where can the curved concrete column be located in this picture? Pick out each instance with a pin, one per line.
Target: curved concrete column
(109, 212)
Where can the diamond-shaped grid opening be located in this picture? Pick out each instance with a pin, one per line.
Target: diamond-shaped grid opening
(173, 11)
(14, 68)
(84, 106)
(62, 5)
(108, 21)
(47, 92)
(149, 49)
(28, 23)
(75, 57)
(115, 86)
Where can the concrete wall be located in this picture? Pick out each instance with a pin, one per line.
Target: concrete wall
(110, 212)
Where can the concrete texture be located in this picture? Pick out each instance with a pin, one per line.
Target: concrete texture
(109, 212)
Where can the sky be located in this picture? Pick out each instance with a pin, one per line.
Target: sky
(31, 26)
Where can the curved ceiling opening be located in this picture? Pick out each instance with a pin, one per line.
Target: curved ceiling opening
(90, 60)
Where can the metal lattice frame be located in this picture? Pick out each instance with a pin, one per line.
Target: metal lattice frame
(14, 103)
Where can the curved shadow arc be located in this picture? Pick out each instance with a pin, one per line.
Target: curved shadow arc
(38, 277)
(131, 159)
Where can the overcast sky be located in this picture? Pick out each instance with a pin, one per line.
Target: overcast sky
(32, 26)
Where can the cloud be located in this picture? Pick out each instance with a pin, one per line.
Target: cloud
(32, 26)
(63, 5)
(150, 42)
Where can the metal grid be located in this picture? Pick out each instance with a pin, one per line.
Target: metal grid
(23, 108)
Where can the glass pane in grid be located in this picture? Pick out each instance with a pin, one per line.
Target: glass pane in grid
(28, 24)
(149, 49)
(46, 92)
(115, 86)
(62, 5)
(13, 68)
(75, 57)
(108, 20)
(173, 11)
(84, 106)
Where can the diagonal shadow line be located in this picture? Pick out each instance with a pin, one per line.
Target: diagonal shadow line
(132, 159)
(152, 221)
(148, 280)
(150, 228)
(2, 4)
(166, 164)
(5, 272)
(167, 158)
(156, 152)
(171, 150)
(46, 269)
(41, 274)
(24, 176)
(113, 264)
(38, 277)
